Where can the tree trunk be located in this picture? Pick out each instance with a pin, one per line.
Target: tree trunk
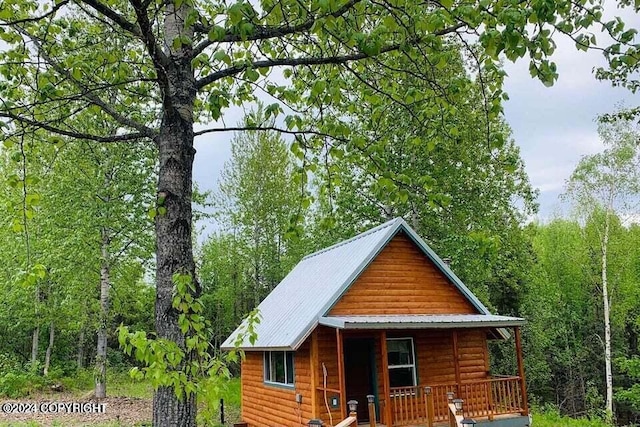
(101, 351)
(174, 253)
(35, 338)
(34, 345)
(174, 222)
(47, 356)
(80, 356)
(607, 323)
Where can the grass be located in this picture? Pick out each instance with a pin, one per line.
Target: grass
(553, 419)
(120, 384)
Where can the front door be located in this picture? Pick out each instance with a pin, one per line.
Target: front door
(359, 369)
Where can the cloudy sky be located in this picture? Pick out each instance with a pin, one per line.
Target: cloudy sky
(554, 127)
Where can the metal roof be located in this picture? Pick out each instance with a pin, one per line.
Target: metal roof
(421, 321)
(293, 309)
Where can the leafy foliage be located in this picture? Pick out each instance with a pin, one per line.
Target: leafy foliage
(190, 368)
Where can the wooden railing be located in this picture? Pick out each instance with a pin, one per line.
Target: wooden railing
(348, 422)
(482, 398)
(441, 400)
(407, 405)
(493, 396)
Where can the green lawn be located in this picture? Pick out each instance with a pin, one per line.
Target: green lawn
(550, 419)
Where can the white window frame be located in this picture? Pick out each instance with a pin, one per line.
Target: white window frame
(269, 375)
(413, 354)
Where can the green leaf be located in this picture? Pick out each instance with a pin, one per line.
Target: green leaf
(217, 33)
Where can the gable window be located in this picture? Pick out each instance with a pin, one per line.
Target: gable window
(278, 367)
(402, 362)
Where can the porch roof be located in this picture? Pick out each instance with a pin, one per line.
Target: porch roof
(421, 321)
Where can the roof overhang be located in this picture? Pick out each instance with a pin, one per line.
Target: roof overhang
(419, 321)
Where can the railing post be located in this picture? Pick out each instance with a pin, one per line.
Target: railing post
(353, 410)
(428, 404)
(452, 416)
(372, 410)
(523, 386)
(489, 387)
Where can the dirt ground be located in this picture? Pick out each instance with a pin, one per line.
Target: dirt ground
(52, 411)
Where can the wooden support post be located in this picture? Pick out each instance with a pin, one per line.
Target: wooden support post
(428, 404)
(523, 383)
(452, 416)
(491, 409)
(386, 387)
(314, 366)
(372, 410)
(353, 410)
(456, 360)
(341, 380)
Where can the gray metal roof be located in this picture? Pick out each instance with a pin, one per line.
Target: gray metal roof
(293, 309)
(421, 321)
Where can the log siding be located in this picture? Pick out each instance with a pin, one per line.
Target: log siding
(402, 280)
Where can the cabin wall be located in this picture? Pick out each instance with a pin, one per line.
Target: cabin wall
(472, 354)
(402, 280)
(435, 354)
(267, 405)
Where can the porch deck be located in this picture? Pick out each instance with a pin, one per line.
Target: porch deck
(487, 399)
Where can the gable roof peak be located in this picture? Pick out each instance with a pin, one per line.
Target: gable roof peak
(393, 224)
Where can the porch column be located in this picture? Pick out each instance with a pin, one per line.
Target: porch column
(456, 360)
(315, 365)
(523, 386)
(341, 380)
(386, 387)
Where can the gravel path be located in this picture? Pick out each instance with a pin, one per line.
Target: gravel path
(59, 410)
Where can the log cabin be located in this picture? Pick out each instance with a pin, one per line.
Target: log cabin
(381, 320)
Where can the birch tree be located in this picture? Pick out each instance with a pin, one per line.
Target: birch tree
(602, 186)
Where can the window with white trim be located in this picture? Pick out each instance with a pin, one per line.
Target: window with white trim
(402, 362)
(278, 367)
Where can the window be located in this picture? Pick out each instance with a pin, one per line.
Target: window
(401, 359)
(278, 367)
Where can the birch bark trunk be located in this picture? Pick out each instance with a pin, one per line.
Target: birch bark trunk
(47, 356)
(101, 350)
(607, 322)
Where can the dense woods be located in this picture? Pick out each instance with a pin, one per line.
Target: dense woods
(96, 229)
(362, 111)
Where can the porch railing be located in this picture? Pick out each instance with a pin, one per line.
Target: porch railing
(482, 398)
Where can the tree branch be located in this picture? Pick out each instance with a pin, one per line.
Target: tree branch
(160, 60)
(294, 62)
(268, 128)
(37, 18)
(114, 16)
(91, 97)
(269, 32)
(72, 134)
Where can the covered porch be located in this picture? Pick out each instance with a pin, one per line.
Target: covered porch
(411, 367)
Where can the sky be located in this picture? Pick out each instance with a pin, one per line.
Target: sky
(554, 127)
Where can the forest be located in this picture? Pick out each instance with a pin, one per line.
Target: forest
(353, 112)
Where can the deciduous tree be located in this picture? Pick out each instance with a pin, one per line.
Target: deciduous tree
(603, 186)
